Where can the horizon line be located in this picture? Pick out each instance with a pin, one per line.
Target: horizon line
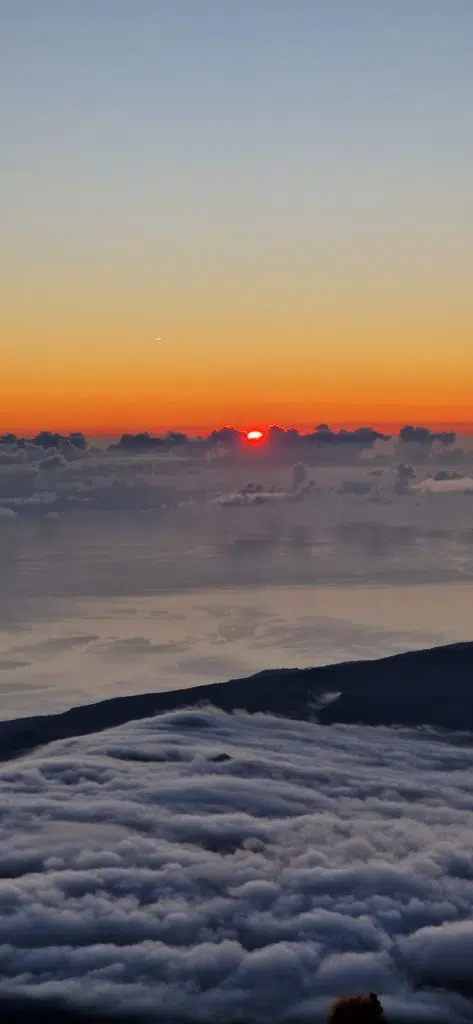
(464, 427)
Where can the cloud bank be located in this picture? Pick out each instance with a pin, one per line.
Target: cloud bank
(240, 867)
(141, 471)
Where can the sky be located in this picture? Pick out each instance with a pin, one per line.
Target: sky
(279, 191)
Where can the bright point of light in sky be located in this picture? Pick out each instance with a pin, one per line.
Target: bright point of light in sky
(254, 435)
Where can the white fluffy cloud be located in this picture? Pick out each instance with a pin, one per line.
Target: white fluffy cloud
(251, 494)
(454, 485)
(257, 496)
(244, 867)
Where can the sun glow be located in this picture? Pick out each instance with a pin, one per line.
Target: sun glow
(254, 435)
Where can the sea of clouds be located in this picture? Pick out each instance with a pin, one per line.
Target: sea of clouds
(237, 867)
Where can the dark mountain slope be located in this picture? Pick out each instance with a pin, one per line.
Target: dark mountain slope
(431, 687)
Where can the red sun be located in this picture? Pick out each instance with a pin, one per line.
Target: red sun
(254, 435)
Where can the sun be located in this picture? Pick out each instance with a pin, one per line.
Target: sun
(254, 435)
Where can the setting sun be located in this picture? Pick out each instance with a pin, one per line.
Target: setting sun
(254, 435)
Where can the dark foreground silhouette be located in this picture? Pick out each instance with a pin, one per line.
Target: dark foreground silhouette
(432, 687)
(356, 1010)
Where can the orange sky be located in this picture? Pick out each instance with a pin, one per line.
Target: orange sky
(300, 234)
(244, 399)
(110, 382)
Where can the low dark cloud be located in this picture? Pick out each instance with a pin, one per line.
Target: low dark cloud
(424, 436)
(145, 442)
(278, 440)
(46, 439)
(405, 474)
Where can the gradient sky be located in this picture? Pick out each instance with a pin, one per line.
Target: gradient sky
(281, 189)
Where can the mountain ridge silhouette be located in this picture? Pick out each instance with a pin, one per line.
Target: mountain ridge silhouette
(431, 687)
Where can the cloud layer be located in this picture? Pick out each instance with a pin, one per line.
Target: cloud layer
(236, 867)
(52, 474)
